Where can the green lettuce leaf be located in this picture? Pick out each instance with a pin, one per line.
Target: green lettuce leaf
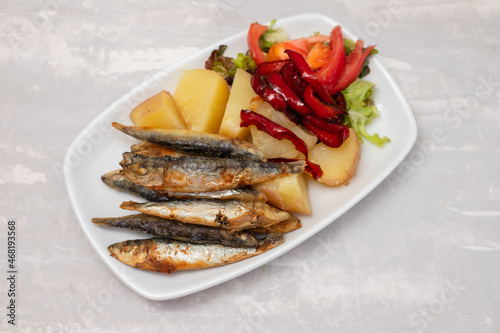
(271, 36)
(361, 110)
(245, 62)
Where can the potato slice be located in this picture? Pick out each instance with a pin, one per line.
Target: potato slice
(338, 164)
(274, 148)
(158, 111)
(288, 193)
(201, 96)
(240, 97)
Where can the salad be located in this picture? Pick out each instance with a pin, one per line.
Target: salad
(317, 81)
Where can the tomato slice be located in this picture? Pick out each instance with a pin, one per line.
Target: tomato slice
(254, 32)
(329, 74)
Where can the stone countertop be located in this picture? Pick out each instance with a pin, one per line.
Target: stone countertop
(418, 254)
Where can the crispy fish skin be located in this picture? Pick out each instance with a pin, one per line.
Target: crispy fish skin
(153, 150)
(186, 232)
(282, 227)
(227, 214)
(116, 180)
(194, 142)
(166, 256)
(201, 173)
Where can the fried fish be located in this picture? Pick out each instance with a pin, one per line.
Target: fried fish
(166, 256)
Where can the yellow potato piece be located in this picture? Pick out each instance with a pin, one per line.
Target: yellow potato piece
(338, 164)
(158, 111)
(239, 98)
(201, 96)
(288, 193)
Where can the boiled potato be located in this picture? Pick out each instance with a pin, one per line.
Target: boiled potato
(201, 96)
(338, 164)
(274, 148)
(158, 111)
(288, 193)
(240, 97)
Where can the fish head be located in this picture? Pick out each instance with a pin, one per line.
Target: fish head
(144, 173)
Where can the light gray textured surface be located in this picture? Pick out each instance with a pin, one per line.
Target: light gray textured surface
(419, 254)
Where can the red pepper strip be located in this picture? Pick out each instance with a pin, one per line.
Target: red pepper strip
(249, 117)
(308, 75)
(293, 116)
(333, 140)
(271, 66)
(322, 110)
(340, 101)
(293, 80)
(254, 32)
(314, 169)
(272, 97)
(278, 84)
(331, 72)
(335, 127)
(354, 65)
(263, 90)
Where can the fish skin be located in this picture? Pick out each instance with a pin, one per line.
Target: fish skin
(282, 227)
(201, 173)
(186, 232)
(194, 142)
(226, 214)
(153, 150)
(166, 256)
(116, 180)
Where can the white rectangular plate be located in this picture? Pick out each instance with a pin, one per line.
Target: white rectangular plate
(98, 148)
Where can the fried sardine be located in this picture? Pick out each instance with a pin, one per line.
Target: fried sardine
(166, 256)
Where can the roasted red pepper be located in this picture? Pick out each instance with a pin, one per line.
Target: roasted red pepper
(271, 66)
(330, 74)
(275, 130)
(354, 65)
(335, 127)
(322, 110)
(308, 75)
(277, 101)
(278, 84)
(292, 78)
(263, 90)
(254, 32)
(340, 101)
(330, 139)
(314, 169)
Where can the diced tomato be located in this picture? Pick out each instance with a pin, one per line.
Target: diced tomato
(254, 32)
(277, 51)
(318, 56)
(301, 45)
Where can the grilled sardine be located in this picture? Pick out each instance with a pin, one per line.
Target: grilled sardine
(117, 181)
(186, 232)
(201, 173)
(166, 256)
(227, 214)
(194, 142)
